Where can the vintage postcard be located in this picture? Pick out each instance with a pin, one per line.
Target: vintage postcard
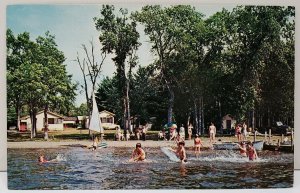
(150, 96)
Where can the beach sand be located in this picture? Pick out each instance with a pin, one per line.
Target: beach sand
(131, 143)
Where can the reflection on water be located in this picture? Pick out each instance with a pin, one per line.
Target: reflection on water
(77, 168)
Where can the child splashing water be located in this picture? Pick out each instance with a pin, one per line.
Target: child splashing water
(138, 154)
(251, 152)
(180, 152)
(58, 158)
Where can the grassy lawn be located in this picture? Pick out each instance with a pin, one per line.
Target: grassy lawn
(66, 134)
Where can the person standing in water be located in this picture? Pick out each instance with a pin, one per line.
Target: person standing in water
(197, 145)
(181, 152)
(251, 152)
(95, 143)
(212, 133)
(243, 149)
(138, 154)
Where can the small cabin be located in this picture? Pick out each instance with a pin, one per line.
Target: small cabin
(55, 121)
(107, 120)
(228, 121)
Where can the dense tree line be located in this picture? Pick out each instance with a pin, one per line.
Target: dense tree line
(238, 62)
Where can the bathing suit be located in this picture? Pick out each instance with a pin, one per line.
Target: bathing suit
(251, 154)
(197, 143)
(242, 151)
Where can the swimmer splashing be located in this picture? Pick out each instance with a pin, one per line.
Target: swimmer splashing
(138, 154)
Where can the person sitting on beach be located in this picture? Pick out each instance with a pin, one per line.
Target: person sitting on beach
(137, 133)
(243, 149)
(138, 154)
(197, 145)
(42, 159)
(119, 136)
(251, 152)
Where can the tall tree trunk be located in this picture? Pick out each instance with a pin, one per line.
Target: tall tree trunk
(18, 111)
(31, 119)
(124, 116)
(253, 119)
(46, 122)
(171, 104)
(33, 125)
(200, 131)
(269, 119)
(202, 115)
(196, 117)
(128, 107)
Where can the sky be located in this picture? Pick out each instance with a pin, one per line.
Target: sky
(73, 25)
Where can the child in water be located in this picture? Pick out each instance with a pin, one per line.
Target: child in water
(251, 152)
(180, 152)
(138, 154)
(42, 159)
(197, 145)
(243, 149)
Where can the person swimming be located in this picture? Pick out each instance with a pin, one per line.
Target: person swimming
(138, 154)
(251, 152)
(243, 149)
(42, 159)
(181, 152)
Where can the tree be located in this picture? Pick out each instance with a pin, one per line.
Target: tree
(90, 68)
(39, 77)
(18, 51)
(119, 36)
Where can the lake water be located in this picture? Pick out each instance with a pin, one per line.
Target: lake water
(108, 168)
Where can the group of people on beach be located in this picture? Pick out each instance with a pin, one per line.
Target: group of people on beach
(139, 133)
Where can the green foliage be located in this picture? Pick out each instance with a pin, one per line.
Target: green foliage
(36, 75)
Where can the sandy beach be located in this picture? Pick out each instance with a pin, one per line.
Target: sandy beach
(66, 144)
(131, 143)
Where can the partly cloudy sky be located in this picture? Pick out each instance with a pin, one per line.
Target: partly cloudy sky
(73, 26)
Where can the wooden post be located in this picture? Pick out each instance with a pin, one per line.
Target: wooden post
(270, 132)
(282, 136)
(292, 140)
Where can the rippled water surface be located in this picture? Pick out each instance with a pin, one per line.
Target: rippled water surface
(79, 168)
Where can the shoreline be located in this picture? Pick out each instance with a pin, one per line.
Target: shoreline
(67, 144)
(80, 143)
